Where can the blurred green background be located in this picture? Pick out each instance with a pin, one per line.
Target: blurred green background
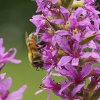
(14, 22)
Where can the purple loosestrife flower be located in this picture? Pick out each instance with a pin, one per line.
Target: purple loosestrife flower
(39, 22)
(72, 35)
(79, 19)
(7, 56)
(59, 89)
(42, 5)
(76, 82)
(5, 85)
(91, 8)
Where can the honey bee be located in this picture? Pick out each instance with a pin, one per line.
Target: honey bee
(34, 47)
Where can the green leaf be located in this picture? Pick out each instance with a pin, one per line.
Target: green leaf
(87, 39)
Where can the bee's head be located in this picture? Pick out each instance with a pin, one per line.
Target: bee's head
(41, 44)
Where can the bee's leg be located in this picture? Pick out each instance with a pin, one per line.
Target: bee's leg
(37, 69)
(39, 35)
(40, 65)
(35, 64)
(42, 68)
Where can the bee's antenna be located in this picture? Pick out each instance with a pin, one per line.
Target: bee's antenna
(26, 35)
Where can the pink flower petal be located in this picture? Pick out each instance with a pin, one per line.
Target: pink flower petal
(7, 83)
(39, 91)
(86, 70)
(64, 60)
(65, 87)
(17, 95)
(75, 61)
(2, 76)
(77, 89)
(2, 49)
(97, 70)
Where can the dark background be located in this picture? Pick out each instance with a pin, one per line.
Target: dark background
(14, 22)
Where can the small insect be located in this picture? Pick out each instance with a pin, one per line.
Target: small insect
(34, 50)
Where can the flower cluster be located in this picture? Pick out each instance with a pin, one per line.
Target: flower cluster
(5, 83)
(70, 29)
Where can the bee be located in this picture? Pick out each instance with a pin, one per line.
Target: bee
(34, 50)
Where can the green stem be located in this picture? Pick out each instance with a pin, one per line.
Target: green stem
(95, 95)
